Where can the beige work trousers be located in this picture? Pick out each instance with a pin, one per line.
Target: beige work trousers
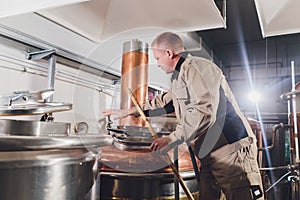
(234, 171)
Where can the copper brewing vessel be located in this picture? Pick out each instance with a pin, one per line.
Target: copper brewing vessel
(134, 76)
(142, 174)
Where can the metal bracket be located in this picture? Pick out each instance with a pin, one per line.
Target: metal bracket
(49, 55)
(37, 55)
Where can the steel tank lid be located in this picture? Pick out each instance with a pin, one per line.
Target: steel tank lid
(34, 109)
(26, 143)
(30, 103)
(42, 158)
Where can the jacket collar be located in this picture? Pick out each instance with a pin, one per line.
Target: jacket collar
(177, 69)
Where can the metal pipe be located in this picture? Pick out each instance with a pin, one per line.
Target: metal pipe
(288, 167)
(274, 131)
(295, 114)
(289, 123)
(23, 41)
(51, 75)
(288, 95)
(274, 184)
(67, 77)
(76, 78)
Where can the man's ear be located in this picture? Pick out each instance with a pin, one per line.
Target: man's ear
(170, 53)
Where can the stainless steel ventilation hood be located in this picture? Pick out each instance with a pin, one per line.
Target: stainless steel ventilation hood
(96, 29)
(278, 17)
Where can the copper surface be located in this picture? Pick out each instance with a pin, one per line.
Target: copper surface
(293, 134)
(142, 160)
(135, 77)
(255, 126)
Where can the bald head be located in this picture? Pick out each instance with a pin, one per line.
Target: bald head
(168, 40)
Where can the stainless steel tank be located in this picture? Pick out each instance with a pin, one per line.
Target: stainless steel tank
(36, 128)
(45, 175)
(40, 160)
(48, 167)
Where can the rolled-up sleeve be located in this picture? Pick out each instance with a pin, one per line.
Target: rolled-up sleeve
(158, 102)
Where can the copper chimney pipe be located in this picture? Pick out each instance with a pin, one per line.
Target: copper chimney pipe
(134, 76)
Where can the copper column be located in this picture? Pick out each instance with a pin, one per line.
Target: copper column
(134, 76)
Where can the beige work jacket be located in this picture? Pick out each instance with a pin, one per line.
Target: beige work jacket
(196, 99)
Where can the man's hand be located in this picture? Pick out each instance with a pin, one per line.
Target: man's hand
(119, 113)
(159, 143)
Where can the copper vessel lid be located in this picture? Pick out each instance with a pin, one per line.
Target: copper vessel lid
(142, 160)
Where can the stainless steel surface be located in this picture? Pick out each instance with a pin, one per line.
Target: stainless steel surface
(20, 159)
(33, 128)
(138, 131)
(288, 95)
(134, 137)
(139, 137)
(287, 167)
(120, 185)
(45, 175)
(34, 109)
(132, 143)
(37, 55)
(51, 74)
(49, 167)
(50, 56)
(14, 143)
(135, 45)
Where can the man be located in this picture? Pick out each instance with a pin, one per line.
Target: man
(209, 119)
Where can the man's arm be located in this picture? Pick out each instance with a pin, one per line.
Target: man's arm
(159, 101)
(161, 104)
(167, 109)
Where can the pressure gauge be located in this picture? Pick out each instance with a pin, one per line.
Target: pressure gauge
(81, 128)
